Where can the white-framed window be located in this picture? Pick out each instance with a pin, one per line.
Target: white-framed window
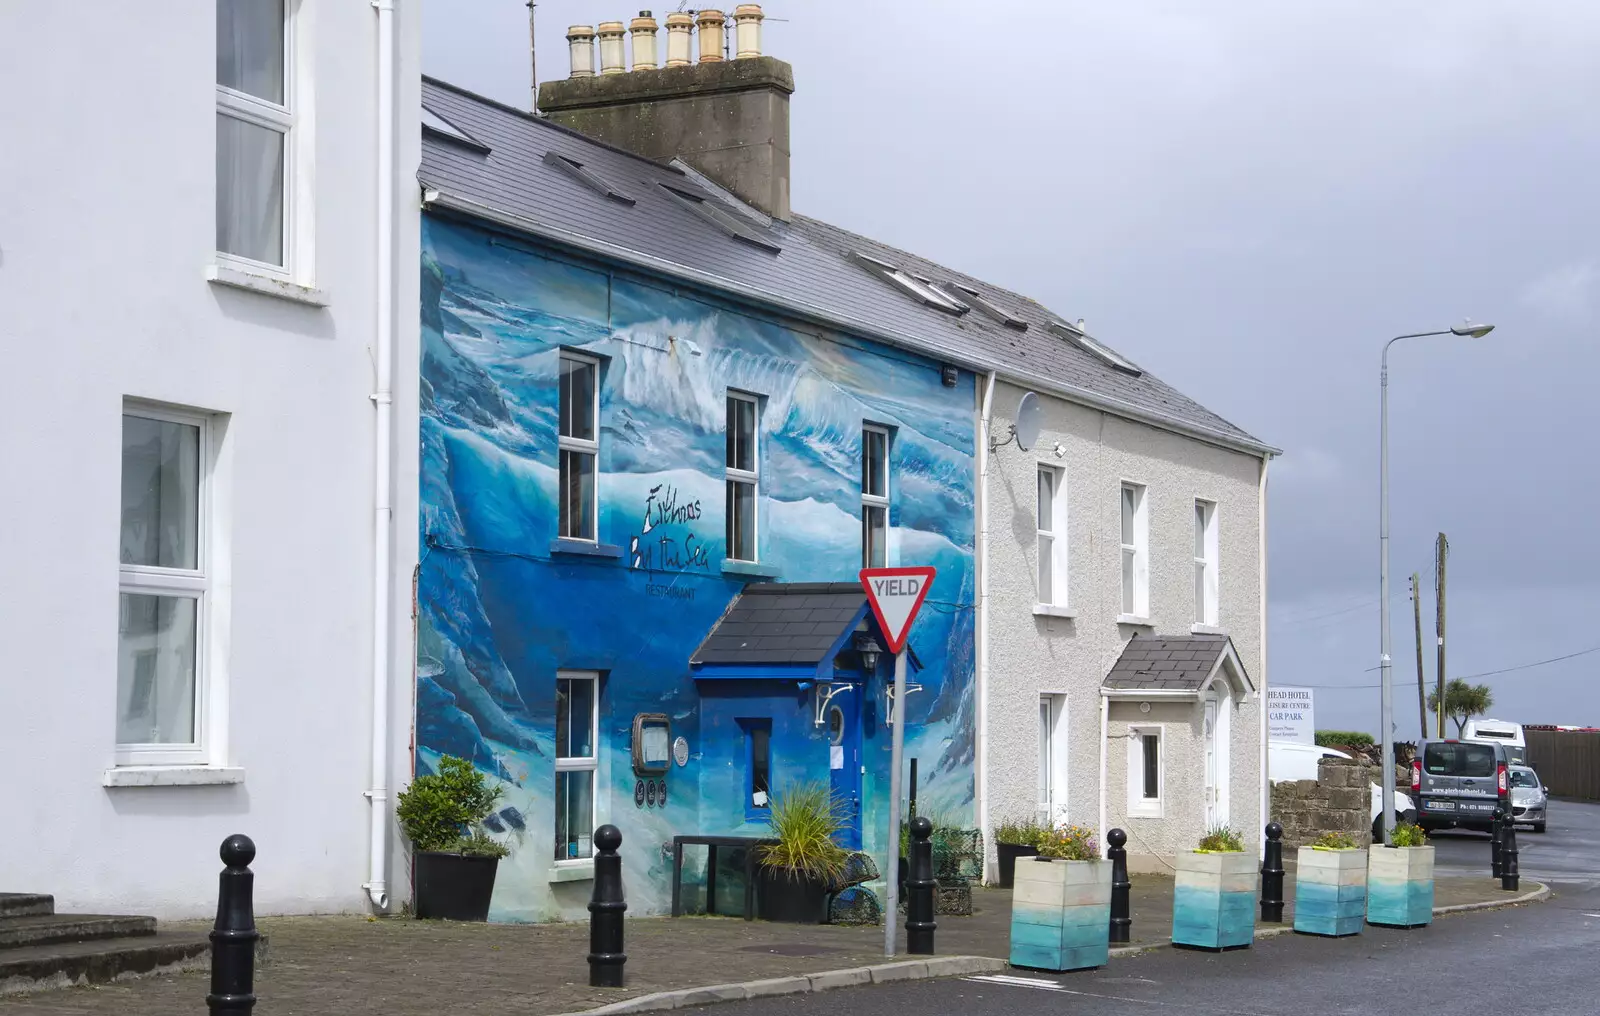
(874, 496)
(579, 442)
(1053, 744)
(1052, 536)
(743, 476)
(164, 587)
(577, 735)
(256, 137)
(1205, 563)
(1146, 771)
(1135, 551)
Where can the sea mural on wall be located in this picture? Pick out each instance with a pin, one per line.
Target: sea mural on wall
(501, 610)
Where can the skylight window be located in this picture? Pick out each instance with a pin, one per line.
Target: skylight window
(579, 172)
(920, 290)
(1094, 347)
(990, 308)
(725, 220)
(436, 124)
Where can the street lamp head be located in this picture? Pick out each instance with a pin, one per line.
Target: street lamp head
(1472, 331)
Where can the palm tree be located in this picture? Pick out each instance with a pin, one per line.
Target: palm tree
(1462, 701)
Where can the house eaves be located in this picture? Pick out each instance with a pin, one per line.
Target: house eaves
(437, 197)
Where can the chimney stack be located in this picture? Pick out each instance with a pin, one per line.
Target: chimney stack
(643, 29)
(729, 119)
(580, 39)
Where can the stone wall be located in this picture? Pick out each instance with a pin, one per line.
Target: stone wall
(1339, 800)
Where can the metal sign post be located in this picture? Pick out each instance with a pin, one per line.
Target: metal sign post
(895, 594)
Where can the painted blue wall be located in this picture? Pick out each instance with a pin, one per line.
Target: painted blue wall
(500, 613)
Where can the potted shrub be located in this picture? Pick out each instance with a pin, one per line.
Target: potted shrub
(454, 860)
(1213, 901)
(1014, 839)
(1061, 906)
(1330, 886)
(1400, 880)
(798, 871)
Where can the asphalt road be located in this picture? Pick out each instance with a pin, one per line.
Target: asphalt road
(1520, 961)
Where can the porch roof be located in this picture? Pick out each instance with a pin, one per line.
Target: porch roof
(1176, 665)
(784, 623)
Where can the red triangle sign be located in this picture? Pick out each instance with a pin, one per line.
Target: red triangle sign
(896, 594)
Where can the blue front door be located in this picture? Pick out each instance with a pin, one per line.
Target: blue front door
(843, 719)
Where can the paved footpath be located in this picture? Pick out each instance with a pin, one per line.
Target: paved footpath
(338, 966)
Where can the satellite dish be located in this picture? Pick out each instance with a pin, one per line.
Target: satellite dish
(1026, 428)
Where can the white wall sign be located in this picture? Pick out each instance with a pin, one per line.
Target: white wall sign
(1290, 715)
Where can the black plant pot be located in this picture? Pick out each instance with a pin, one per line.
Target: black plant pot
(782, 897)
(1008, 854)
(454, 887)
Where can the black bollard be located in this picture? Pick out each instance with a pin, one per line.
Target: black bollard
(1121, 919)
(919, 890)
(1496, 831)
(1272, 875)
(233, 938)
(606, 907)
(1508, 855)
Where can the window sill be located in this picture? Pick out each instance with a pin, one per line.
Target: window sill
(584, 548)
(1207, 629)
(1052, 610)
(1145, 812)
(753, 568)
(1143, 622)
(572, 873)
(267, 285)
(173, 776)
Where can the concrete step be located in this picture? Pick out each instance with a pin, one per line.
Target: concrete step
(32, 968)
(49, 929)
(26, 905)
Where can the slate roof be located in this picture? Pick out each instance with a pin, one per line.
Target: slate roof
(812, 275)
(1163, 663)
(782, 622)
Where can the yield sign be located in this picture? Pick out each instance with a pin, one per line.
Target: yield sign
(895, 595)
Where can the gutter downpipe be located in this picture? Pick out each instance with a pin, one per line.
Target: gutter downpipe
(377, 885)
(982, 628)
(1261, 681)
(1105, 732)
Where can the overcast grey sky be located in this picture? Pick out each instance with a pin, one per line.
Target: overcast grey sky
(1248, 197)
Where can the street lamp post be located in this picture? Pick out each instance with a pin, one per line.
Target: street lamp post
(1386, 718)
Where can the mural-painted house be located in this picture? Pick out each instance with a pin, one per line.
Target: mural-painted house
(665, 422)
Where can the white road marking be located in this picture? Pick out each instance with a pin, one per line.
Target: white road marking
(1040, 984)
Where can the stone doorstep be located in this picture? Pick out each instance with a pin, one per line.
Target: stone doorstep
(64, 964)
(48, 929)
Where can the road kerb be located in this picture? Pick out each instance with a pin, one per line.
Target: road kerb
(1541, 893)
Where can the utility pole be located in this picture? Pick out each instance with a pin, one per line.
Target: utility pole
(1441, 551)
(533, 62)
(1422, 695)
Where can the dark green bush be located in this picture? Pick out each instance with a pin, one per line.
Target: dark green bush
(443, 811)
(1354, 738)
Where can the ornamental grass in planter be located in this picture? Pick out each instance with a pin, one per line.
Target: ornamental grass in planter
(1400, 880)
(1330, 887)
(454, 860)
(1061, 906)
(1016, 838)
(796, 873)
(1214, 890)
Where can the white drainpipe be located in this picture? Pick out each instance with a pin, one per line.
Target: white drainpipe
(1105, 730)
(981, 629)
(377, 884)
(1261, 678)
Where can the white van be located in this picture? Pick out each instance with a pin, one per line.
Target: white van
(1502, 732)
(1292, 760)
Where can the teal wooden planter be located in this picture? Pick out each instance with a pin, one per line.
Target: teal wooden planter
(1214, 900)
(1061, 914)
(1330, 891)
(1400, 886)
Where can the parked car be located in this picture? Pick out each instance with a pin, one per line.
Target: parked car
(1529, 799)
(1291, 760)
(1503, 732)
(1458, 783)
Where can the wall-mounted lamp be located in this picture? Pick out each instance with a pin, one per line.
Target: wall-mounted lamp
(1060, 450)
(869, 649)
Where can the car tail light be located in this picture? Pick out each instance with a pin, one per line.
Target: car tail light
(1416, 775)
(1501, 776)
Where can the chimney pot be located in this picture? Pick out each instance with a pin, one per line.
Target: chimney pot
(747, 20)
(612, 59)
(580, 40)
(644, 41)
(679, 27)
(712, 29)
